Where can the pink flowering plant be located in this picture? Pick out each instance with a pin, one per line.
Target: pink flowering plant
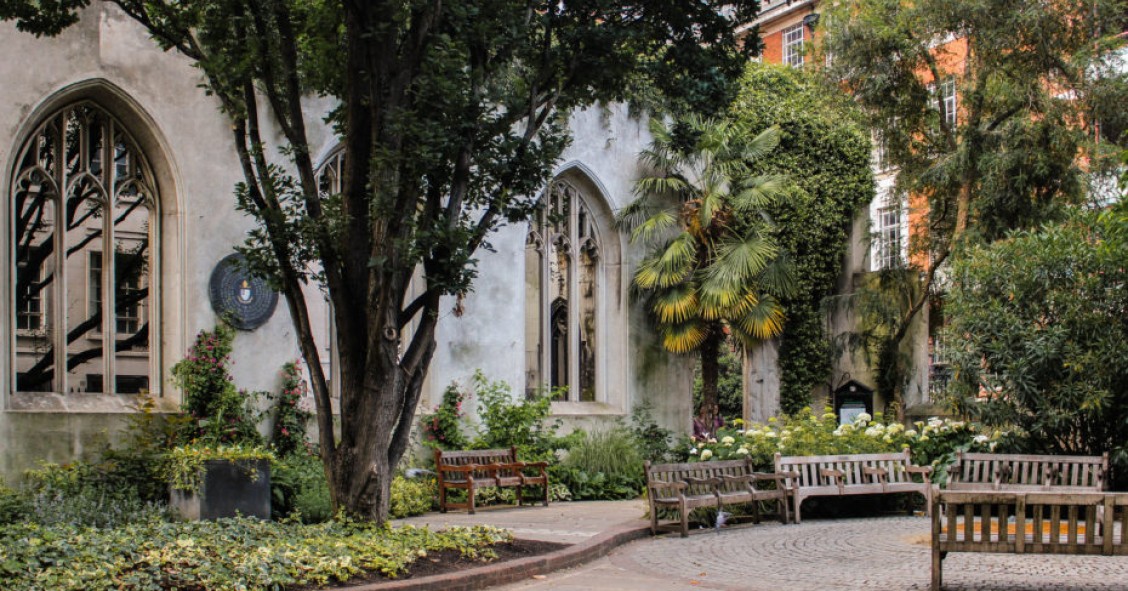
(442, 427)
(219, 412)
(933, 442)
(291, 416)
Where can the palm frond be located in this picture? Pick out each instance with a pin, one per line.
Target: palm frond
(779, 277)
(762, 144)
(633, 214)
(654, 227)
(764, 320)
(739, 262)
(759, 192)
(683, 338)
(662, 185)
(675, 305)
(670, 266)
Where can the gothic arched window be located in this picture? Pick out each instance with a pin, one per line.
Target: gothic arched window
(561, 308)
(83, 206)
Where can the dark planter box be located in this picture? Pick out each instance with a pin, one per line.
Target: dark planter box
(226, 489)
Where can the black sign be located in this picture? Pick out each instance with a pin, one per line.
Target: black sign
(244, 301)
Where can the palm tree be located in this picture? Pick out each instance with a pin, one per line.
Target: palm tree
(714, 268)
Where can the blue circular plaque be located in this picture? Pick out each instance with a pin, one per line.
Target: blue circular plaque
(245, 301)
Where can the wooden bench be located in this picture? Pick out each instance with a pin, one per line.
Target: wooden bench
(1027, 523)
(856, 474)
(475, 469)
(1028, 473)
(688, 486)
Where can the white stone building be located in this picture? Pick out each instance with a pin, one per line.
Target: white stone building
(118, 176)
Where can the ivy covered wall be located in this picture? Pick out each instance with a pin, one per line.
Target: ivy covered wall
(825, 150)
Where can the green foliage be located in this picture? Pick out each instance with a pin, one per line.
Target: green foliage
(442, 428)
(224, 554)
(825, 152)
(220, 411)
(653, 441)
(1039, 322)
(298, 488)
(730, 385)
(603, 465)
(183, 464)
(411, 497)
(14, 506)
(933, 442)
(288, 435)
(505, 422)
(83, 494)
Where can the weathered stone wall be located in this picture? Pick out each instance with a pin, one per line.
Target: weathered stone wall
(107, 58)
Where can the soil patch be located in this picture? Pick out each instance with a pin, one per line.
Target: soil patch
(449, 561)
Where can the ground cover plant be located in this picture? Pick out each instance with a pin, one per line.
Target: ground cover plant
(224, 554)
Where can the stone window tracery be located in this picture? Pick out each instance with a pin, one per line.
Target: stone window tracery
(562, 258)
(83, 205)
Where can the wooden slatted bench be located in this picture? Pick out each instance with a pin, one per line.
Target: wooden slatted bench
(1028, 473)
(688, 486)
(1027, 523)
(854, 474)
(474, 469)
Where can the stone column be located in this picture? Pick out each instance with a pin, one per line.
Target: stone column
(761, 381)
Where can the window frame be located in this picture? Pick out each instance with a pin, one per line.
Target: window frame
(793, 45)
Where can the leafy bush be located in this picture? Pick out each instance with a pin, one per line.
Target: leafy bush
(288, 433)
(412, 497)
(221, 412)
(603, 465)
(83, 494)
(1038, 319)
(244, 554)
(504, 421)
(933, 442)
(183, 464)
(442, 429)
(298, 489)
(653, 440)
(14, 506)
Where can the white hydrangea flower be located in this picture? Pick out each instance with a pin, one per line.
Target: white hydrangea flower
(872, 432)
(693, 452)
(770, 434)
(726, 440)
(742, 451)
(935, 422)
(863, 418)
(911, 433)
(981, 439)
(706, 454)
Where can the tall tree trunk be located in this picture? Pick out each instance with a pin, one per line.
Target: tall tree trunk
(710, 373)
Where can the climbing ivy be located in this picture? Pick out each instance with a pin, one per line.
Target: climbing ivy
(825, 150)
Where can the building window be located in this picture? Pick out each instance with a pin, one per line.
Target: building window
(944, 100)
(793, 46)
(562, 257)
(890, 236)
(68, 208)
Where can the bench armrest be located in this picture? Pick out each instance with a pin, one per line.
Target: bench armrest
(788, 474)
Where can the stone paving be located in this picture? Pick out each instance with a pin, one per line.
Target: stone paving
(882, 553)
(888, 553)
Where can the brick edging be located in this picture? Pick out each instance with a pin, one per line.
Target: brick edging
(512, 571)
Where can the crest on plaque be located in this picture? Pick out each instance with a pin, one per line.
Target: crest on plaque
(243, 300)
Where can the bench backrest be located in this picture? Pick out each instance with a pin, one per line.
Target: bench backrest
(701, 470)
(810, 467)
(1045, 523)
(481, 457)
(982, 471)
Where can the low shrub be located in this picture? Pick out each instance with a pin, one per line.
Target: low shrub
(603, 465)
(240, 553)
(83, 494)
(14, 505)
(412, 496)
(933, 442)
(298, 489)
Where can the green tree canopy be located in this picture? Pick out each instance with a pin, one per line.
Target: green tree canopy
(1040, 322)
(1032, 80)
(452, 115)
